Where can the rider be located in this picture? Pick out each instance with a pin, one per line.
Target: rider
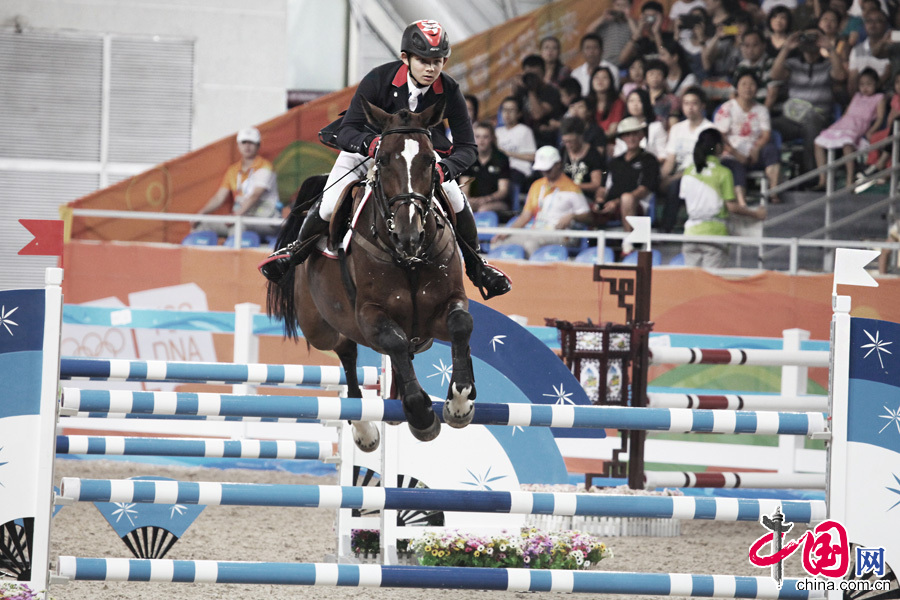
(414, 82)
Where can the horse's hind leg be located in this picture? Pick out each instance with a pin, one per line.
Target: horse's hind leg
(460, 408)
(389, 337)
(365, 434)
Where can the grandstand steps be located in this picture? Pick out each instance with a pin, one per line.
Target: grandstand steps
(868, 227)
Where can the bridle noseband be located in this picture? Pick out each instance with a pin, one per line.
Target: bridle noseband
(387, 207)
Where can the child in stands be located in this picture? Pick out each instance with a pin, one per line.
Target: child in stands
(862, 118)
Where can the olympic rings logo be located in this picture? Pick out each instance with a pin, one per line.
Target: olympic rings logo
(93, 345)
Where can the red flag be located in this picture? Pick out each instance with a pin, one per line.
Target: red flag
(48, 237)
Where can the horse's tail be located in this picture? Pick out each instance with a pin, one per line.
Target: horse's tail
(280, 295)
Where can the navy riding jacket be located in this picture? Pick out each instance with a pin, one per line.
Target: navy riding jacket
(386, 88)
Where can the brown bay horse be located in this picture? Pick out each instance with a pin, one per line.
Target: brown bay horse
(397, 286)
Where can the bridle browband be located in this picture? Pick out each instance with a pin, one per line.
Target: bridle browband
(387, 207)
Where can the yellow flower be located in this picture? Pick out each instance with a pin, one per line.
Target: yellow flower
(434, 553)
(477, 553)
(427, 548)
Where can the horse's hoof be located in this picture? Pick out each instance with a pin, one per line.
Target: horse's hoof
(366, 436)
(429, 433)
(459, 408)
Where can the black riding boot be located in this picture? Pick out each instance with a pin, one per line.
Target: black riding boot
(278, 263)
(489, 280)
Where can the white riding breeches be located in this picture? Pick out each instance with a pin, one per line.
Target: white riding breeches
(348, 162)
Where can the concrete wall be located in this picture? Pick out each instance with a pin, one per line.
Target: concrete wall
(240, 52)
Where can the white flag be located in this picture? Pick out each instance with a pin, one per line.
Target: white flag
(850, 267)
(640, 232)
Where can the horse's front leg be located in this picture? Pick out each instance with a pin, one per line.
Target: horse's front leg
(365, 434)
(388, 337)
(460, 408)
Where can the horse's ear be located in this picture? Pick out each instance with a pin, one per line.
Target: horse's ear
(434, 114)
(374, 115)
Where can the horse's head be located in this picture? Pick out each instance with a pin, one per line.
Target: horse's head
(404, 176)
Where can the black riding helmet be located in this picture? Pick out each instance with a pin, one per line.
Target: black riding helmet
(425, 39)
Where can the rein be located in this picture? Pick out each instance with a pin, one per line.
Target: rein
(387, 207)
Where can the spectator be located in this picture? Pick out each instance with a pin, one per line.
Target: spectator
(675, 58)
(747, 131)
(667, 106)
(722, 54)
(584, 109)
(488, 177)
(472, 106)
(633, 177)
(862, 119)
(610, 107)
(569, 90)
(592, 52)
(581, 163)
(878, 159)
(708, 193)
(554, 69)
(861, 56)
(680, 151)
(636, 74)
(554, 202)
(646, 35)
(682, 8)
(614, 27)
(540, 101)
(851, 26)
(722, 11)
(829, 25)
(810, 80)
(755, 60)
(516, 140)
(696, 30)
(780, 24)
(637, 104)
(251, 184)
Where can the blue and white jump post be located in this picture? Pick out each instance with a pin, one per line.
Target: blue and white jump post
(852, 445)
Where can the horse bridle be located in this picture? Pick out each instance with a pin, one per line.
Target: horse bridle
(387, 207)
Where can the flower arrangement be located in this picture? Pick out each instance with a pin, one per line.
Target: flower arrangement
(531, 548)
(17, 591)
(367, 542)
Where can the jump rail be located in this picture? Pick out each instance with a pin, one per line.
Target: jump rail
(200, 372)
(676, 479)
(378, 498)
(376, 409)
(471, 578)
(737, 401)
(766, 358)
(209, 448)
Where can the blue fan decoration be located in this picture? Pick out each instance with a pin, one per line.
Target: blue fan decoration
(149, 530)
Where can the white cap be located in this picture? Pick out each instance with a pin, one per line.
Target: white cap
(248, 134)
(630, 125)
(545, 158)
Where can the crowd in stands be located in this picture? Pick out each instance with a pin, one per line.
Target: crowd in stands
(622, 132)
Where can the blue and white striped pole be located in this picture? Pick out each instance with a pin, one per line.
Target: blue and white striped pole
(486, 413)
(377, 498)
(378, 576)
(208, 448)
(205, 372)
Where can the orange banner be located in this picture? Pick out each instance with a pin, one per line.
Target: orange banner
(484, 64)
(683, 300)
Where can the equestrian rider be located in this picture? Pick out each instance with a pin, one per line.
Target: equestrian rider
(415, 82)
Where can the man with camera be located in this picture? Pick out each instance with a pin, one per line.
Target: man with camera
(809, 78)
(614, 27)
(646, 34)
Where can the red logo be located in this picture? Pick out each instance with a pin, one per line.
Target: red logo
(432, 30)
(826, 550)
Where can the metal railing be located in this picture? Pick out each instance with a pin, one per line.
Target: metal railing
(776, 245)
